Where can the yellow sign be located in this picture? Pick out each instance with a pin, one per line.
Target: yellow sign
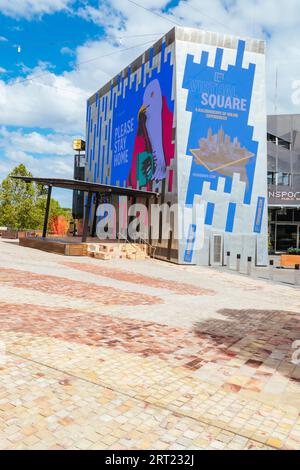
(78, 144)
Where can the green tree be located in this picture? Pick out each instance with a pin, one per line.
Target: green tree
(22, 205)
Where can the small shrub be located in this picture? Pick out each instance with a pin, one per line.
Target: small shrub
(294, 251)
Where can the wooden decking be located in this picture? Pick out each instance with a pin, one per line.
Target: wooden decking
(104, 250)
(52, 245)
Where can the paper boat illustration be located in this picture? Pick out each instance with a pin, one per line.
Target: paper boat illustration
(217, 153)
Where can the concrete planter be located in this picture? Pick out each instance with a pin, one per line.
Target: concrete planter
(15, 234)
(10, 234)
(289, 261)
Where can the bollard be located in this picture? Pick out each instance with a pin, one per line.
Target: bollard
(297, 278)
(238, 263)
(249, 266)
(228, 259)
(271, 270)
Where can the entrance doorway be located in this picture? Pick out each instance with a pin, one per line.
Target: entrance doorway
(287, 236)
(284, 229)
(216, 250)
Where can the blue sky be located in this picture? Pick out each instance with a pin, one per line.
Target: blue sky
(51, 40)
(55, 53)
(42, 39)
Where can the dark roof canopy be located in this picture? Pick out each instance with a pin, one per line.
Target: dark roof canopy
(87, 186)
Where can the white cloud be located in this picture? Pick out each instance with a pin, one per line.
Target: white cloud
(16, 156)
(5, 167)
(42, 154)
(54, 166)
(105, 14)
(67, 51)
(49, 101)
(34, 142)
(29, 8)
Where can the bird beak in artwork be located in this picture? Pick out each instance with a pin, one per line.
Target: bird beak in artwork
(143, 109)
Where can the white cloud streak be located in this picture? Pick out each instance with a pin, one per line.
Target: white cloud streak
(29, 8)
(43, 154)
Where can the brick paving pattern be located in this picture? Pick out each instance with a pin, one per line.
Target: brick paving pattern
(127, 276)
(210, 368)
(70, 288)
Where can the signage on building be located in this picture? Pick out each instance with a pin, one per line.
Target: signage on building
(283, 196)
(78, 144)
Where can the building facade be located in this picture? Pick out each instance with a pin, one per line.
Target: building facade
(284, 182)
(187, 120)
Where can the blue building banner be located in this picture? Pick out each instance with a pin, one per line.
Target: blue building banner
(189, 252)
(220, 138)
(259, 214)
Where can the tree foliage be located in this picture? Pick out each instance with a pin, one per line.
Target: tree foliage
(22, 205)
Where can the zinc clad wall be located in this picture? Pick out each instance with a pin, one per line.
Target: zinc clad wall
(131, 130)
(221, 141)
(188, 119)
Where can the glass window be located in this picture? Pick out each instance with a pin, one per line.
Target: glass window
(285, 215)
(284, 143)
(272, 214)
(297, 215)
(272, 228)
(271, 177)
(271, 138)
(283, 179)
(286, 237)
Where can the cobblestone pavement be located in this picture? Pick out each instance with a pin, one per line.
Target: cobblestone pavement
(130, 355)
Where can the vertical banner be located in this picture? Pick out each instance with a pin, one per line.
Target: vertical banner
(259, 215)
(189, 251)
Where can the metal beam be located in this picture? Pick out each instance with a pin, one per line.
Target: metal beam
(86, 217)
(46, 219)
(86, 186)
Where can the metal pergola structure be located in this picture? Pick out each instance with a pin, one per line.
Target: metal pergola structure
(87, 187)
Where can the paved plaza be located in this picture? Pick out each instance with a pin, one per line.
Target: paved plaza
(144, 355)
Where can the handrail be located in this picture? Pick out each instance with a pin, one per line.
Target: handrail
(150, 246)
(134, 246)
(127, 241)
